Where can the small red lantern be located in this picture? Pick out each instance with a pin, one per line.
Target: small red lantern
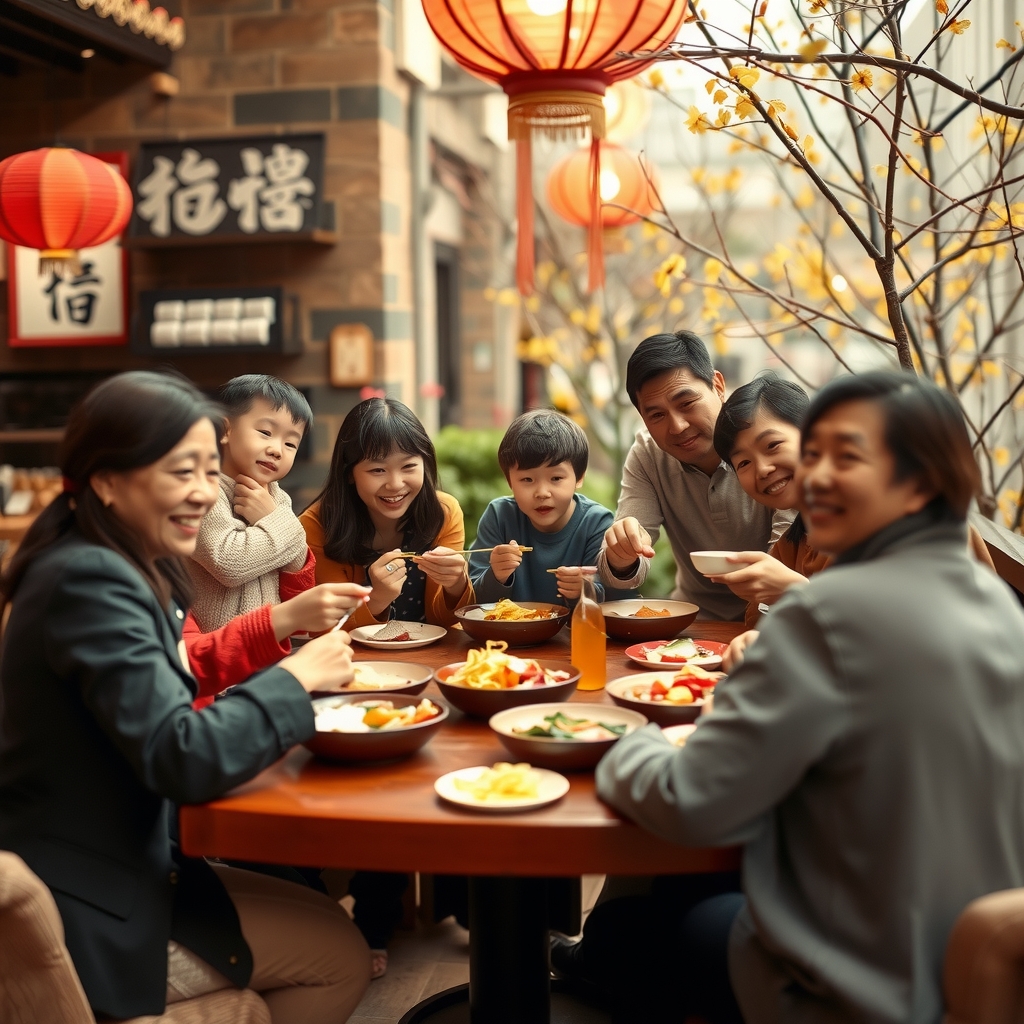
(622, 181)
(59, 201)
(555, 59)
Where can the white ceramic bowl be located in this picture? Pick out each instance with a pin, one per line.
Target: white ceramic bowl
(713, 563)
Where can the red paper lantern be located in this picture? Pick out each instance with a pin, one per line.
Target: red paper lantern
(621, 181)
(59, 201)
(554, 58)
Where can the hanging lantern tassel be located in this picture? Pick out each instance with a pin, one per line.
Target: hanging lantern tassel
(595, 248)
(62, 262)
(524, 215)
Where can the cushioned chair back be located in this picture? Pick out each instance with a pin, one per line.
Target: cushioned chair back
(38, 983)
(984, 967)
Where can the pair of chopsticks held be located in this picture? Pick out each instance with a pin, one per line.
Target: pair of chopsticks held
(471, 551)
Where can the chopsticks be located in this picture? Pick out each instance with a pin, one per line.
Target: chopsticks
(582, 568)
(471, 551)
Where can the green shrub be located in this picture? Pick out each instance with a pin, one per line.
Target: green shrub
(467, 462)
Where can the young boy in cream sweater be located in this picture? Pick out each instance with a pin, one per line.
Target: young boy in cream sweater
(251, 535)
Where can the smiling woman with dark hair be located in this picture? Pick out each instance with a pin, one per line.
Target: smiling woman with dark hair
(869, 750)
(98, 737)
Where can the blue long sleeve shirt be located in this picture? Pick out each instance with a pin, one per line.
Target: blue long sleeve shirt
(577, 543)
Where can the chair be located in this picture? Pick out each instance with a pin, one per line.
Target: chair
(983, 974)
(38, 983)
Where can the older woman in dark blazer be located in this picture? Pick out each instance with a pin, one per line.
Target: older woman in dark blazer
(869, 751)
(98, 739)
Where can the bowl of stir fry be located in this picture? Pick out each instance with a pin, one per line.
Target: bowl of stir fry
(490, 680)
(360, 727)
(647, 618)
(518, 623)
(564, 736)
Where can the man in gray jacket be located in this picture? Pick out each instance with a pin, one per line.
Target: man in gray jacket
(673, 477)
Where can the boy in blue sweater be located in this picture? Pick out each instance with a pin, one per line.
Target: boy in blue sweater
(544, 456)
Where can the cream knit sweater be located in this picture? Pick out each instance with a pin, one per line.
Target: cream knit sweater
(235, 566)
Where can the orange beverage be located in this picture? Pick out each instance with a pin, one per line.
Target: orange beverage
(588, 640)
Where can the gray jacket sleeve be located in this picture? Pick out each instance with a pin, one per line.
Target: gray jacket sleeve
(638, 498)
(103, 638)
(774, 717)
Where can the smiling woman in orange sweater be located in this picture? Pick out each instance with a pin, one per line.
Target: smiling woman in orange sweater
(381, 499)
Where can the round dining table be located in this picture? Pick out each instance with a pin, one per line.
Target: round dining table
(387, 817)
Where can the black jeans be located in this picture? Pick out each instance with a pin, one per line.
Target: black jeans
(378, 909)
(662, 957)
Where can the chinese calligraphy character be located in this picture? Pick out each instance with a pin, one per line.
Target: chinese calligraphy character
(243, 193)
(276, 182)
(197, 210)
(80, 304)
(156, 189)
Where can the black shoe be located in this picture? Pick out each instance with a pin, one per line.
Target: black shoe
(567, 957)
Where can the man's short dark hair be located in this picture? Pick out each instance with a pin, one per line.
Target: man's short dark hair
(663, 352)
(238, 395)
(543, 437)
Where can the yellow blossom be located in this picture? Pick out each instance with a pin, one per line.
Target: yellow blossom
(746, 76)
(812, 49)
(942, 7)
(959, 26)
(655, 78)
(817, 6)
(720, 97)
(674, 266)
(744, 107)
(724, 117)
(861, 80)
(1000, 456)
(709, 85)
(697, 122)
(1005, 44)
(713, 270)
(675, 305)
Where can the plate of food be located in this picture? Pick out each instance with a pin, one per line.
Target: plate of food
(647, 618)
(518, 623)
(393, 676)
(677, 735)
(397, 636)
(503, 787)
(682, 651)
(564, 736)
(491, 680)
(355, 727)
(667, 698)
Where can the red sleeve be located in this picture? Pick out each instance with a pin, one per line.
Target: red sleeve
(291, 584)
(231, 654)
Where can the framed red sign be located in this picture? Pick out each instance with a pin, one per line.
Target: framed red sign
(87, 308)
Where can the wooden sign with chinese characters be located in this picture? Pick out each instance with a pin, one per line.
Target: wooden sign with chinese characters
(89, 307)
(228, 190)
(351, 355)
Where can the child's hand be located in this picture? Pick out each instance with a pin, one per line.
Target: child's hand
(625, 541)
(316, 610)
(570, 581)
(446, 568)
(387, 577)
(505, 559)
(323, 664)
(252, 502)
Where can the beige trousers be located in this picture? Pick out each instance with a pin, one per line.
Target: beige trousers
(310, 963)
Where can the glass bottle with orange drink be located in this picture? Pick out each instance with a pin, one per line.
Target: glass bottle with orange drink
(588, 639)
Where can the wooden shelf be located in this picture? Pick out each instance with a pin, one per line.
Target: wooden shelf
(52, 435)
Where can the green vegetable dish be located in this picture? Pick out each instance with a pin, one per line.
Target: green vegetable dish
(560, 726)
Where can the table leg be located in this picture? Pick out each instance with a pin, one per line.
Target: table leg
(508, 951)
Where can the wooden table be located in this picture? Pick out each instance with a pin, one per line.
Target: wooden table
(387, 818)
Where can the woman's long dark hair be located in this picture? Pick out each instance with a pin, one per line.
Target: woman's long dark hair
(126, 422)
(782, 399)
(375, 429)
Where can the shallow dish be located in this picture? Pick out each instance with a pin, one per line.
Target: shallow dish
(484, 703)
(564, 755)
(420, 635)
(417, 676)
(620, 619)
(659, 712)
(550, 787)
(380, 745)
(640, 655)
(523, 633)
(713, 563)
(677, 735)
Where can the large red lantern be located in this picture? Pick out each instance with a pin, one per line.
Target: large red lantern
(555, 59)
(59, 201)
(621, 181)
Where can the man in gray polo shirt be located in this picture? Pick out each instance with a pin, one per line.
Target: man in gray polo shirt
(674, 478)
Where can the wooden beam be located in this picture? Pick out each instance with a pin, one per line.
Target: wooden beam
(1006, 549)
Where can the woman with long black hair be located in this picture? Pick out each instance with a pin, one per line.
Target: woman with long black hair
(99, 740)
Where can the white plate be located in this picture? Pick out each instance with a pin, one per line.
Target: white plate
(550, 787)
(422, 634)
(677, 735)
(712, 663)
